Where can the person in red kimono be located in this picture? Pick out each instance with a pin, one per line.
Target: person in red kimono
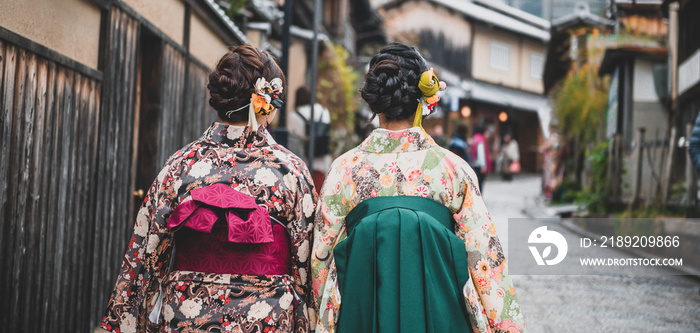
(238, 207)
(481, 159)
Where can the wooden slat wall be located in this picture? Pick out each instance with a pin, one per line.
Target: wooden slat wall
(113, 223)
(172, 90)
(185, 111)
(49, 147)
(199, 114)
(66, 147)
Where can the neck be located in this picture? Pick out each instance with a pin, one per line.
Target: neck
(395, 125)
(261, 121)
(242, 123)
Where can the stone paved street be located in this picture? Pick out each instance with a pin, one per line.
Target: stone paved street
(590, 303)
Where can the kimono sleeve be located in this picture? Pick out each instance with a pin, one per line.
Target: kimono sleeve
(329, 229)
(301, 237)
(489, 293)
(145, 263)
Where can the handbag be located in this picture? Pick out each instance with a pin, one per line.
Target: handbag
(514, 167)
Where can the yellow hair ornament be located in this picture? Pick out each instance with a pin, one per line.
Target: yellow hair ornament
(429, 85)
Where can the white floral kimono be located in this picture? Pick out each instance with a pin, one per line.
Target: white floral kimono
(408, 162)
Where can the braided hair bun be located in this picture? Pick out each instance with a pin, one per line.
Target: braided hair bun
(232, 82)
(391, 84)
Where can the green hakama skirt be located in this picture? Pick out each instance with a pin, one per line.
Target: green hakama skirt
(401, 268)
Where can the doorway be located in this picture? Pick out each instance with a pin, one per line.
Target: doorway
(147, 115)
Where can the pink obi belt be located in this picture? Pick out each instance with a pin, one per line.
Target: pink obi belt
(224, 231)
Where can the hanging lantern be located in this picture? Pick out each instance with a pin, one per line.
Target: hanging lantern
(466, 111)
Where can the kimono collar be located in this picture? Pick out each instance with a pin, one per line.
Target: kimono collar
(238, 136)
(383, 141)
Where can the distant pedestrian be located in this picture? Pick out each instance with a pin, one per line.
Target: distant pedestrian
(553, 169)
(694, 145)
(239, 209)
(481, 159)
(509, 158)
(300, 130)
(438, 134)
(402, 239)
(458, 142)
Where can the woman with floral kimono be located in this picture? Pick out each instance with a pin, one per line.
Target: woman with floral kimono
(237, 208)
(401, 165)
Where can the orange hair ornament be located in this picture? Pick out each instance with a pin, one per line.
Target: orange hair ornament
(267, 97)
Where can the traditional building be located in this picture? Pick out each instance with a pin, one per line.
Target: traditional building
(568, 47)
(638, 118)
(492, 58)
(685, 89)
(628, 47)
(684, 49)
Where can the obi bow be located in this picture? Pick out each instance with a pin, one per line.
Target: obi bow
(247, 222)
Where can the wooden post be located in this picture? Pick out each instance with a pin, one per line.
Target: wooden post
(652, 189)
(666, 175)
(639, 155)
(650, 158)
(314, 80)
(614, 167)
(611, 169)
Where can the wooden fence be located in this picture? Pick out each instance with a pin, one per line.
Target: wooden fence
(114, 164)
(50, 119)
(69, 147)
(658, 163)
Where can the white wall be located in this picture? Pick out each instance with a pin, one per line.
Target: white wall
(644, 81)
(481, 60)
(69, 27)
(527, 82)
(166, 15)
(518, 76)
(205, 45)
(649, 113)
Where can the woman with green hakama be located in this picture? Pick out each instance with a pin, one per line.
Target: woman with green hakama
(403, 241)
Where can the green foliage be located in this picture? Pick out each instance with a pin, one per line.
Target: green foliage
(638, 227)
(235, 7)
(567, 192)
(580, 103)
(678, 190)
(652, 211)
(338, 84)
(596, 195)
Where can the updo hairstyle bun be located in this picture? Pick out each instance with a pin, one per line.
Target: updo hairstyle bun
(232, 82)
(391, 84)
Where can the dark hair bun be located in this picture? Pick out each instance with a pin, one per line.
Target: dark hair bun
(232, 81)
(391, 85)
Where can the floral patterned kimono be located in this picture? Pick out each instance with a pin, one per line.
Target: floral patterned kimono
(553, 169)
(408, 162)
(262, 292)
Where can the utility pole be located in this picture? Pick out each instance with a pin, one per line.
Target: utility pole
(314, 76)
(281, 132)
